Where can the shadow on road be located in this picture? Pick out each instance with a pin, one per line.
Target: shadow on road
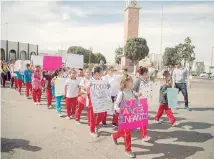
(8, 145)
(203, 109)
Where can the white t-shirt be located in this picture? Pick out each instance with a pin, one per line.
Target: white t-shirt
(84, 82)
(72, 88)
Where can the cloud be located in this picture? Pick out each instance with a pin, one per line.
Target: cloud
(54, 25)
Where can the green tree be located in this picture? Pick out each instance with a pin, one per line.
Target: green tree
(170, 57)
(136, 49)
(100, 57)
(186, 51)
(118, 53)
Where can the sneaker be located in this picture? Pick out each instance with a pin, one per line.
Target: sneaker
(50, 106)
(157, 121)
(147, 138)
(68, 118)
(94, 135)
(104, 124)
(114, 140)
(175, 124)
(60, 115)
(188, 108)
(28, 97)
(77, 122)
(130, 154)
(114, 124)
(38, 103)
(35, 103)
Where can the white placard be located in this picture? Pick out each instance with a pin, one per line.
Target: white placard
(23, 65)
(100, 96)
(75, 61)
(18, 65)
(155, 92)
(115, 85)
(37, 60)
(60, 86)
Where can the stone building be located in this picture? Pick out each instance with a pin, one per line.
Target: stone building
(15, 50)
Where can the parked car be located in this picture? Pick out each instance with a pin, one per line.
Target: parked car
(194, 74)
(204, 75)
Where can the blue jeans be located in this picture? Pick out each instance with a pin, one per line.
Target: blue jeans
(183, 88)
(58, 103)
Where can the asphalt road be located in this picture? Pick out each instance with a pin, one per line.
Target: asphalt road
(33, 132)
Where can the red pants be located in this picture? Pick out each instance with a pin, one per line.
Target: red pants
(79, 110)
(143, 132)
(15, 82)
(28, 88)
(49, 95)
(114, 119)
(168, 111)
(94, 118)
(36, 95)
(19, 84)
(71, 104)
(126, 133)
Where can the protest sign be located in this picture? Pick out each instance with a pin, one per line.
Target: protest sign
(145, 89)
(74, 61)
(133, 114)
(172, 97)
(51, 63)
(155, 92)
(115, 85)
(37, 60)
(100, 96)
(60, 86)
(18, 65)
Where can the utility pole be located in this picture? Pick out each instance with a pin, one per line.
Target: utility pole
(6, 32)
(161, 33)
(211, 62)
(91, 49)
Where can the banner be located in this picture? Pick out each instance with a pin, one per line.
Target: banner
(133, 114)
(51, 63)
(60, 86)
(75, 61)
(172, 97)
(100, 96)
(37, 60)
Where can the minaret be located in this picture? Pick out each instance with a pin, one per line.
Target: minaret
(131, 27)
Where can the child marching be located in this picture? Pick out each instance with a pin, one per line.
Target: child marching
(28, 80)
(37, 85)
(71, 92)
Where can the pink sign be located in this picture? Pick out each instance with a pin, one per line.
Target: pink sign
(51, 63)
(133, 114)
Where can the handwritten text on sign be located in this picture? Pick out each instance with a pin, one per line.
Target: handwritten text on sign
(100, 96)
(133, 114)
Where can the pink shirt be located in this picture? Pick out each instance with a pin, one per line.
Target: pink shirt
(37, 80)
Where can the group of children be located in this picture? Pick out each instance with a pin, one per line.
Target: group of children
(77, 96)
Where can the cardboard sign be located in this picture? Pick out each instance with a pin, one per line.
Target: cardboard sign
(172, 97)
(100, 96)
(133, 114)
(51, 63)
(37, 60)
(60, 86)
(75, 61)
(155, 92)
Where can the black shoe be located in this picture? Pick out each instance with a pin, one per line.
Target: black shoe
(104, 125)
(115, 124)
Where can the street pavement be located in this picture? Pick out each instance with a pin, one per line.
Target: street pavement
(31, 131)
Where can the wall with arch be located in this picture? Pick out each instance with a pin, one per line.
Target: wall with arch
(16, 50)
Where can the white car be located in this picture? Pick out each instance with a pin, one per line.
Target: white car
(203, 75)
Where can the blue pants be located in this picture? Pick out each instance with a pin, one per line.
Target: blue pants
(58, 103)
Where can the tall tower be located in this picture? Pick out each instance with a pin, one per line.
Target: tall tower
(131, 27)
